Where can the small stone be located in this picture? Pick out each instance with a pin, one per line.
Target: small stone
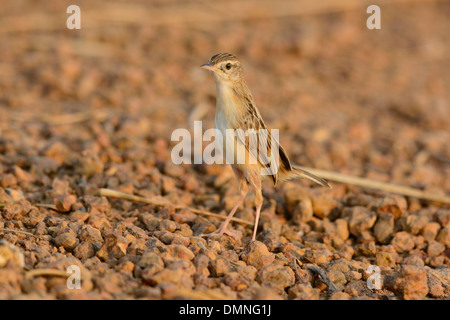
(235, 281)
(414, 223)
(355, 288)
(168, 185)
(7, 180)
(340, 296)
(384, 228)
(435, 248)
(345, 251)
(219, 267)
(410, 284)
(317, 256)
(90, 234)
(436, 262)
(64, 203)
(150, 259)
(151, 223)
(435, 288)
(361, 219)
(90, 164)
(430, 231)
(167, 225)
(339, 265)
(396, 205)
(303, 211)
(256, 254)
(9, 252)
(303, 292)
(342, 228)
(23, 175)
(84, 251)
(293, 196)
(273, 275)
(79, 216)
(352, 275)
(385, 259)
(180, 252)
(16, 195)
(176, 277)
(443, 217)
(322, 202)
(66, 240)
(115, 246)
(338, 278)
(403, 242)
(444, 236)
(413, 260)
(368, 249)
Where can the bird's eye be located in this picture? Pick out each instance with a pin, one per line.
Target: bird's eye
(228, 66)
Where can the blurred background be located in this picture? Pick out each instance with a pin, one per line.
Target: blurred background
(373, 103)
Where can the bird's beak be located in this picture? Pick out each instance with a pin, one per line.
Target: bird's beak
(208, 67)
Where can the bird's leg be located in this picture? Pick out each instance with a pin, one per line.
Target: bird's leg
(242, 193)
(259, 202)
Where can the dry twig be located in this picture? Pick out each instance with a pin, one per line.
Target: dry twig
(378, 185)
(63, 119)
(20, 232)
(125, 196)
(46, 272)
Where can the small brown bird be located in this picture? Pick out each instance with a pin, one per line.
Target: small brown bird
(255, 153)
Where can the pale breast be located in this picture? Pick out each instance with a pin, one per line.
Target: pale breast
(224, 121)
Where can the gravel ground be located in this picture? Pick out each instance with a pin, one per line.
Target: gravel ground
(82, 110)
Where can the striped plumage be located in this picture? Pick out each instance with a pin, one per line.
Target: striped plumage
(252, 141)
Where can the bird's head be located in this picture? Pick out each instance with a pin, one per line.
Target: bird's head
(225, 67)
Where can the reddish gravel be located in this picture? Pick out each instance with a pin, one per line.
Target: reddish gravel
(95, 108)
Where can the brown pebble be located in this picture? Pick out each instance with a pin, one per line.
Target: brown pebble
(414, 223)
(64, 203)
(90, 234)
(384, 228)
(303, 292)
(385, 259)
(361, 219)
(9, 252)
(413, 260)
(275, 276)
(167, 225)
(79, 216)
(396, 205)
(435, 248)
(410, 283)
(322, 202)
(443, 217)
(443, 236)
(256, 254)
(342, 228)
(235, 281)
(84, 250)
(115, 246)
(435, 288)
(318, 256)
(430, 231)
(403, 242)
(219, 267)
(338, 278)
(355, 288)
(66, 240)
(340, 296)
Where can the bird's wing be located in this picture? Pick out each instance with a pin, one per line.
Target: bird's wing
(252, 132)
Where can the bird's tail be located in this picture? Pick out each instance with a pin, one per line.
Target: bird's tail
(297, 172)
